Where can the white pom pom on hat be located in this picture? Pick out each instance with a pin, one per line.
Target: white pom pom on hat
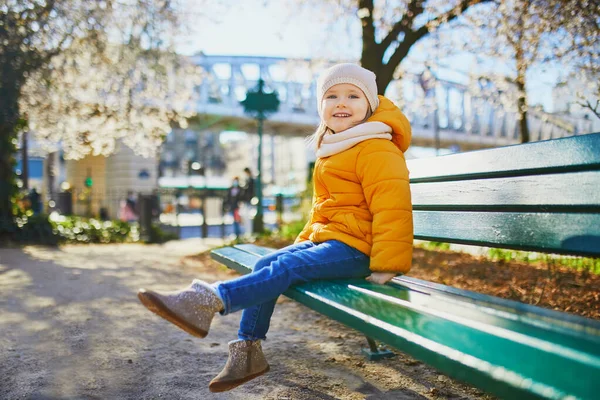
(348, 73)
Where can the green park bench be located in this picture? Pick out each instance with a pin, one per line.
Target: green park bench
(542, 197)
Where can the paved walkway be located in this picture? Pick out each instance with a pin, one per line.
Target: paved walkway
(71, 327)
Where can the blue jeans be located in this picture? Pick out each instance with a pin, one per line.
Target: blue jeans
(257, 292)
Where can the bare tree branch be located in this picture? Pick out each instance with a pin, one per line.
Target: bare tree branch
(447, 17)
(593, 108)
(404, 24)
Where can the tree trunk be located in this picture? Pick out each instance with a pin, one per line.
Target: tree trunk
(371, 59)
(384, 77)
(384, 73)
(9, 114)
(9, 117)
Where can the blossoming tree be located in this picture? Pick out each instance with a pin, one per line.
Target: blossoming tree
(88, 73)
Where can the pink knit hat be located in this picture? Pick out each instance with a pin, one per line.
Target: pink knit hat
(348, 73)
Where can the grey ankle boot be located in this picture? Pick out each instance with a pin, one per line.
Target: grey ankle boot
(246, 362)
(192, 309)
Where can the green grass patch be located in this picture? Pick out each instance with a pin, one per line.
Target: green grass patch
(556, 260)
(434, 246)
(291, 230)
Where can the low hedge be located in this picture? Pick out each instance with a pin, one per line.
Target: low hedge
(56, 229)
(73, 229)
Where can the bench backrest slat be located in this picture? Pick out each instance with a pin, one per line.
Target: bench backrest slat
(578, 153)
(526, 193)
(577, 234)
(542, 196)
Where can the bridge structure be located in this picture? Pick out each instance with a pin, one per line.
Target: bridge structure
(448, 115)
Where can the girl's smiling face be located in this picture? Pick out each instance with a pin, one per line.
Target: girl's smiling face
(344, 106)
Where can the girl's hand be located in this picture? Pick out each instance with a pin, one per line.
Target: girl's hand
(380, 277)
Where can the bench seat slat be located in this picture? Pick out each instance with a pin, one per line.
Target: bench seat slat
(578, 153)
(254, 249)
(479, 306)
(496, 356)
(535, 192)
(542, 317)
(548, 319)
(478, 318)
(430, 337)
(562, 233)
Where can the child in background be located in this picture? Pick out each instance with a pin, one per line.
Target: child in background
(360, 224)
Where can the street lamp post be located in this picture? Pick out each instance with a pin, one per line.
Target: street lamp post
(258, 103)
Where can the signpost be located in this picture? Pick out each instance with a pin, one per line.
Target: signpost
(258, 104)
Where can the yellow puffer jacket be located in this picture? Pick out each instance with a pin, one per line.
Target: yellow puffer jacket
(362, 196)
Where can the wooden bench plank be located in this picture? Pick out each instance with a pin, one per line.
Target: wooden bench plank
(528, 193)
(578, 153)
(496, 356)
(562, 233)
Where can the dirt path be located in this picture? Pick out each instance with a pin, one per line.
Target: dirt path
(71, 328)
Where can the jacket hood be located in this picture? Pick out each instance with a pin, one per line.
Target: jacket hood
(389, 114)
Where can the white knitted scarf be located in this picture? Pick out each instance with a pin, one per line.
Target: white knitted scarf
(334, 143)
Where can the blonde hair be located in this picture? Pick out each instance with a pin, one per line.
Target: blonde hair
(317, 138)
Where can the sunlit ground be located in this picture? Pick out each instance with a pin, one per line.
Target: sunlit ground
(68, 314)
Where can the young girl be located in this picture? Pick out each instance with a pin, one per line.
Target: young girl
(360, 224)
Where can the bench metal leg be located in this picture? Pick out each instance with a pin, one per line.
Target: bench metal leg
(374, 353)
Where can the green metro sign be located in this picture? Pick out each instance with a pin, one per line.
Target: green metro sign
(257, 101)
